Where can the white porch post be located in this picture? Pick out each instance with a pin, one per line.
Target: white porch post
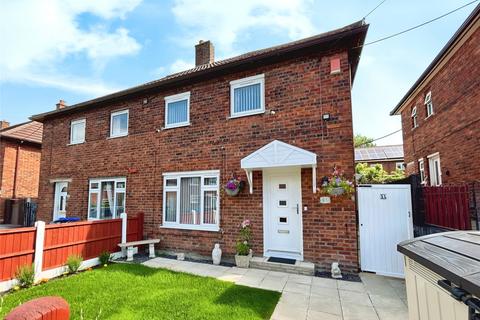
(314, 179)
(39, 243)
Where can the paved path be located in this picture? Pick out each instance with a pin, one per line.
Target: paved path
(311, 298)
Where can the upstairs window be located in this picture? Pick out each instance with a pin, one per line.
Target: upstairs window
(428, 104)
(77, 131)
(106, 198)
(177, 110)
(119, 124)
(247, 96)
(414, 118)
(191, 200)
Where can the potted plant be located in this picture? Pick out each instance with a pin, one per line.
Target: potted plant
(243, 246)
(234, 186)
(336, 184)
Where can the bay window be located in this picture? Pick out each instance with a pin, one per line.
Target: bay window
(106, 198)
(191, 200)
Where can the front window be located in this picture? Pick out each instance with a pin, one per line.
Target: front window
(106, 198)
(428, 104)
(177, 110)
(77, 131)
(421, 170)
(247, 96)
(414, 118)
(119, 124)
(435, 170)
(400, 165)
(191, 200)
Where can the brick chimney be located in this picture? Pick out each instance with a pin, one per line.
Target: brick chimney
(61, 104)
(204, 53)
(4, 124)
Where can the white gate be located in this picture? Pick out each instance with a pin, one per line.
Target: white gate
(385, 219)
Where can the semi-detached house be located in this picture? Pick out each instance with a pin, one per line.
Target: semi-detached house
(279, 118)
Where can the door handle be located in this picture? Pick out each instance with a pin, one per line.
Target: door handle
(297, 208)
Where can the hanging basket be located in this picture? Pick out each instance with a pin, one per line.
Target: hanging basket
(234, 192)
(337, 191)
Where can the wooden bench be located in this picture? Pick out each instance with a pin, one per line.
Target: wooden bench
(131, 245)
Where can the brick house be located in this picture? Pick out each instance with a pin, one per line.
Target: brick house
(20, 151)
(278, 118)
(441, 114)
(389, 157)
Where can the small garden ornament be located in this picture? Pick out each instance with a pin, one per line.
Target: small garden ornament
(216, 254)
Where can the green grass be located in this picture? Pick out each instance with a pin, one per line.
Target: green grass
(129, 291)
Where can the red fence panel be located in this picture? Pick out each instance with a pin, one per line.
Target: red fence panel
(17, 247)
(87, 239)
(447, 206)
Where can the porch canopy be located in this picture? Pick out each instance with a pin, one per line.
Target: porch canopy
(279, 154)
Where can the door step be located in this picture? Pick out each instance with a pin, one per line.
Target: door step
(300, 267)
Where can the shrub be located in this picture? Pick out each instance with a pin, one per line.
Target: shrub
(243, 243)
(25, 275)
(104, 257)
(73, 263)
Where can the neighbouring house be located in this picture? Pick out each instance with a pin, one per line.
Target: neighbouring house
(20, 152)
(441, 112)
(389, 157)
(279, 118)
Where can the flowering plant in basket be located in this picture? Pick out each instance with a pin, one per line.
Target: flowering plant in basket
(243, 246)
(337, 184)
(234, 186)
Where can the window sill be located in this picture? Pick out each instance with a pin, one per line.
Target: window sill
(118, 136)
(75, 143)
(190, 227)
(176, 126)
(429, 116)
(246, 114)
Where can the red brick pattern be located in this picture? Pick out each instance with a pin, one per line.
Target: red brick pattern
(454, 129)
(28, 170)
(299, 91)
(45, 308)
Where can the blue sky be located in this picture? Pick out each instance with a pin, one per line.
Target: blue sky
(78, 50)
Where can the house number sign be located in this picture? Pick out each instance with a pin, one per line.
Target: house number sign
(383, 196)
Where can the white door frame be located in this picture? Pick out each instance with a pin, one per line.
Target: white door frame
(409, 217)
(59, 185)
(267, 221)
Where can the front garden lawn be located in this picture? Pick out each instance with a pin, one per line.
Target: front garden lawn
(131, 291)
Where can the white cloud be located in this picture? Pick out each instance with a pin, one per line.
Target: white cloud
(180, 65)
(36, 36)
(224, 22)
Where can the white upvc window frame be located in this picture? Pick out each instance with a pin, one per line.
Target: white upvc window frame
(428, 104)
(178, 175)
(257, 79)
(414, 117)
(400, 165)
(421, 170)
(432, 159)
(175, 98)
(117, 113)
(98, 191)
(72, 125)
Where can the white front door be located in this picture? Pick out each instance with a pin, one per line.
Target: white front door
(282, 197)
(60, 203)
(385, 217)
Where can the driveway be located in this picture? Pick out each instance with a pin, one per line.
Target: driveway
(311, 298)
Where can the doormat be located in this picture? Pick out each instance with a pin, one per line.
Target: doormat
(281, 260)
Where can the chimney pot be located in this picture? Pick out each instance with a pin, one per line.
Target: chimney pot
(61, 104)
(204, 53)
(4, 124)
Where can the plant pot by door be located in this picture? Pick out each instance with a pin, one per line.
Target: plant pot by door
(243, 261)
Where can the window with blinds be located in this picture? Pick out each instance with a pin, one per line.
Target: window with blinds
(177, 110)
(191, 200)
(247, 96)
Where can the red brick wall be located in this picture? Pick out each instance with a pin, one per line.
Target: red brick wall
(299, 91)
(28, 171)
(454, 129)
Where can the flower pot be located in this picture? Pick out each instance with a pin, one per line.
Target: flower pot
(243, 261)
(337, 191)
(231, 192)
